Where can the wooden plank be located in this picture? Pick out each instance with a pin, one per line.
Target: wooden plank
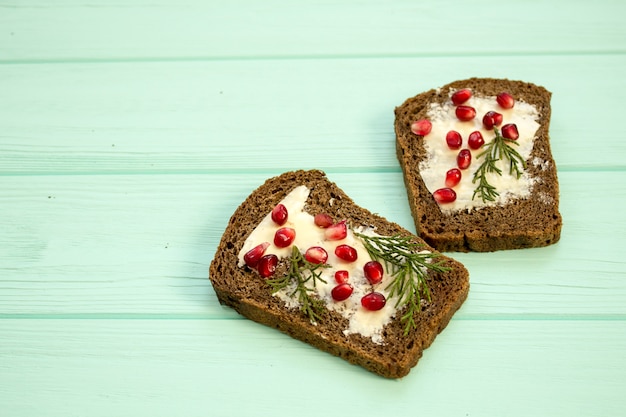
(129, 133)
(158, 367)
(149, 30)
(126, 118)
(161, 231)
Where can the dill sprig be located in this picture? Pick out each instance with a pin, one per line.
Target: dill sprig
(498, 149)
(408, 266)
(301, 272)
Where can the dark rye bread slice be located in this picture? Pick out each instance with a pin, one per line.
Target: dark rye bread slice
(521, 223)
(246, 292)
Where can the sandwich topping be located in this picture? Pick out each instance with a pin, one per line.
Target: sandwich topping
(477, 148)
(365, 277)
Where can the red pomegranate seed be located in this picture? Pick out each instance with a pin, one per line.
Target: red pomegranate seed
(421, 127)
(267, 265)
(252, 257)
(454, 139)
(461, 96)
(475, 140)
(316, 255)
(341, 277)
(341, 292)
(505, 100)
(444, 195)
(465, 113)
(346, 252)
(337, 231)
(323, 220)
(509, 131)
(491, 119)
(373, 301)
(284, 237)
(279, 214)
(464, 159)
(453, 177)
(373, 271)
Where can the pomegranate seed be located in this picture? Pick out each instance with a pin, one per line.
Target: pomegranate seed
(316, 255)
(465, 113)
(509, 131)
(341, 277)
(421, 127)
(464, 159)
(373, 271)
(444, 195)
(323, 220)
(454, 139)
(453, 177)
(475, 140)
(346, 252)
(461, 96)
(267, 265)
(505, 100)
(373, 301)
(491, 119)
(284, 237)
(279, 214)
(341, 292)
(337, 231)
(253, 255)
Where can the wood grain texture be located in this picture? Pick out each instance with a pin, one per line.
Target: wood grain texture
(162, 231)
(191, 29)
(130, 131)
(127, 367)
(203, 116)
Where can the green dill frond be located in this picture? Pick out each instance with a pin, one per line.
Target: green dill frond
(498, 149)
(408, 265)
(302, 273)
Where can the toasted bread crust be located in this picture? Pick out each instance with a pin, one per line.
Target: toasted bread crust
(244, 290)
(522, 223)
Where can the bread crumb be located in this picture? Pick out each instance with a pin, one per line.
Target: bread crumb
(540, 163)
(545, 198)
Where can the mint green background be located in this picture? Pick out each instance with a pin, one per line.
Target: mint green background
(130, 131)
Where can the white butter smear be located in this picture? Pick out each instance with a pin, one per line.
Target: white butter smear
(361, 321)
(440, 158)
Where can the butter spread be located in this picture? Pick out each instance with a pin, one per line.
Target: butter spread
(440, 158)
(361, 321)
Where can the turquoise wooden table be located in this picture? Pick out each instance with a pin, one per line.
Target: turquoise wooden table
(130, 131)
